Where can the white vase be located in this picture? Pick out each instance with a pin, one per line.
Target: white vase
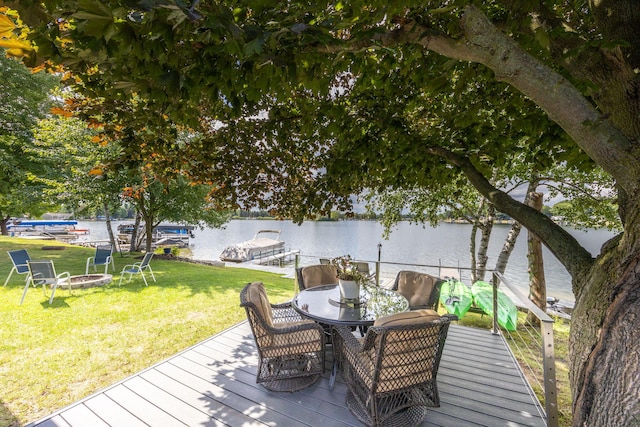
(349, 290)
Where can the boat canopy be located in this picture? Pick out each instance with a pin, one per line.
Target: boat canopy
(39, 223)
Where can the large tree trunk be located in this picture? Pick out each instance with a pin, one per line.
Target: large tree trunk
(107, 216)
(472, 251)
(507, 247)
(604, 339)
(486, 226)
(135, 243)
(537, 282)
(483, 221)
(4, 230)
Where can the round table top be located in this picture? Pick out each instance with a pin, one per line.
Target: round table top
(322, 303)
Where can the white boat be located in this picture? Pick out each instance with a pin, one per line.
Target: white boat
(257, 248)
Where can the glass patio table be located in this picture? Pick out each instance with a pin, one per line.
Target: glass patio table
(323, 304)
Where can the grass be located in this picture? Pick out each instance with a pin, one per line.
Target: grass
(53, 355)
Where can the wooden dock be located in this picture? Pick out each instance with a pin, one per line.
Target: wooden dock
(213, 384)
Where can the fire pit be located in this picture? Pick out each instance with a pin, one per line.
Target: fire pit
(90, 280)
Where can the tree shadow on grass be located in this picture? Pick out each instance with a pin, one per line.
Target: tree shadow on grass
(7, 418)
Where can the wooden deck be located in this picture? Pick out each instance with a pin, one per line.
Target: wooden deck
(213, 384)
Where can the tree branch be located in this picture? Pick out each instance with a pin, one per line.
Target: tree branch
(563, 245)
(484, 43)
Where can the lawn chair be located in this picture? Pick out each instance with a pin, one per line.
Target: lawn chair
(44, 273)
(103, 256)
(19, 259)
(138, 268)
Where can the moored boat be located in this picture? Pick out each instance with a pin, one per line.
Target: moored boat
(256, 248)
(163, 234)
(559, 308)
(45, 229)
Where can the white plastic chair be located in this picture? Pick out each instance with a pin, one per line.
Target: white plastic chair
(44, 273)
(138, 268)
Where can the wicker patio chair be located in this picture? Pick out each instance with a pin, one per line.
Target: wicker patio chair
(421, 289)
(290, 348)
(391, 373)
(316, 275)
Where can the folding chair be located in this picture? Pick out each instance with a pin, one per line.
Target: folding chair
(138, 268)
(44, 273)
(103, 256)
(19, 259)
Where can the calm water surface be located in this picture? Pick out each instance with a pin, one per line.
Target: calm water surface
(446, 244)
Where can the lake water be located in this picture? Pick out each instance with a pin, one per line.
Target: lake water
(447, 245)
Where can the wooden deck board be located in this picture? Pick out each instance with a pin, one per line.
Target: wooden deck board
(213, 384)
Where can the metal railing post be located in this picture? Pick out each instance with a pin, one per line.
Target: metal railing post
(378, 265)
(549, 366)
(296, 264)
(495, 330)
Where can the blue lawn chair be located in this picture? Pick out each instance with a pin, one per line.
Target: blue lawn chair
(44, 273)
(103, 256)
(19, 259)
(138, 268)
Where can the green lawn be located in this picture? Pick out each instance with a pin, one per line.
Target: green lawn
(53, 355)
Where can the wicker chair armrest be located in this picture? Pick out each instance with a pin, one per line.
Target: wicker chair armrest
(349, 342)
(284, 313)
(286, 304)
(451, 317)
(307, 326)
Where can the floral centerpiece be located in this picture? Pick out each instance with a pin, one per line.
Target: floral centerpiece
(349, 278)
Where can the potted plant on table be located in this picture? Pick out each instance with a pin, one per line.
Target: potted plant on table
(349, 278)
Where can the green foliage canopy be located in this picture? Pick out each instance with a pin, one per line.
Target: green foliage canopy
(25, 98)
(317, 71)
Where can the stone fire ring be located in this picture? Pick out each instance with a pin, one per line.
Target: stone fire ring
(89, 280)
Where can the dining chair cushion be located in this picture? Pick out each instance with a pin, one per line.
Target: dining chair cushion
(416, 287)
(316, 275)
(296, 342)
(407, 318)
(258, 297)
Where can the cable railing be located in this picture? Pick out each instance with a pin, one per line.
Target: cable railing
(534, 345)
(531, 344)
